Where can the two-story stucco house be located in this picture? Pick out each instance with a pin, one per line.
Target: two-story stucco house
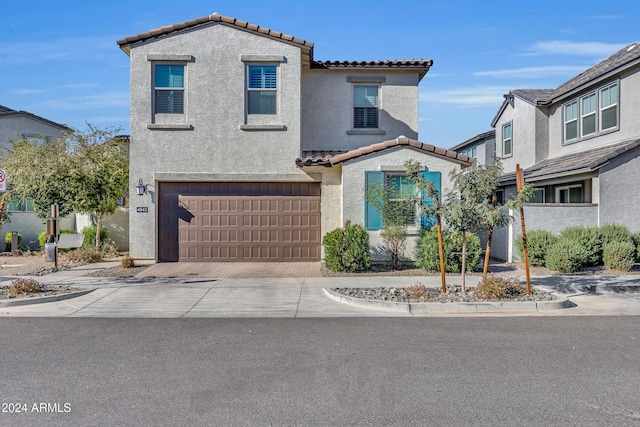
(15, 125)
(246, 148)
(579, 145)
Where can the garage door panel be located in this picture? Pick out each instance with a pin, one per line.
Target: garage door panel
(239, 221)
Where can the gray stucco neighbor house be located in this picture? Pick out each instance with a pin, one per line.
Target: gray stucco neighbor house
(579, 145)
(15, 125)
(248, 149)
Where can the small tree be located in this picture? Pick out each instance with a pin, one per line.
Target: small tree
(40, 173)
(397, 206)
(101, 173)
(468, 207)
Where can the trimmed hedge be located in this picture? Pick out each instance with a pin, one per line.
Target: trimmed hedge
(589, 240)
(428, 257)
(619, 255)
(347, 249)
(566, 256)
(538, 244)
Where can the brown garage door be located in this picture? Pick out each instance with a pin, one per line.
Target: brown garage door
(215, 221)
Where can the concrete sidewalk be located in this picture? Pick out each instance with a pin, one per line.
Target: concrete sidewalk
(295, 297)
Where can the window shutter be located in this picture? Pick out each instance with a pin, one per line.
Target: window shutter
(372, 218)
(435, 178)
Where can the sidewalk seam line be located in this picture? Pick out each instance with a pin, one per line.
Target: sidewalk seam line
(93, 302)
(304, 282)
(197, 302)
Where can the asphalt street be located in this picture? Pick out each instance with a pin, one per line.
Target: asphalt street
(319, 372)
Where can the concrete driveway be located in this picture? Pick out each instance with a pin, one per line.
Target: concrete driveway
(234, 270)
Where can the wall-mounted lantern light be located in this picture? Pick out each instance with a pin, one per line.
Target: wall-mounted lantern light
(141, 188)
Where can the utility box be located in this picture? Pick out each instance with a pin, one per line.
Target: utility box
(50, 252)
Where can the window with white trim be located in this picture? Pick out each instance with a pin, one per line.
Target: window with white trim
(569, 194)
(169, 89)
(262, 89)
(591, 114)
(365, 106)
(609, 107)
(507, 139)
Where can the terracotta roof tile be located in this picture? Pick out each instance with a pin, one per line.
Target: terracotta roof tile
(330, 159)
(205, 20)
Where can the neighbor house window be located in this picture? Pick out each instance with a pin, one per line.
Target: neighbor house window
(507, 140)
(365, 106)
(19, 205)
(571, 121)
(262, 87)
(36, 139)
(588, 114)
(592, 113)
(169, 89)
(470, 152)
(569, 194)
(609, 107)
(538, 196)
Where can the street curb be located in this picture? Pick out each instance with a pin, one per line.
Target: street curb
(39, 300)
(453, 307)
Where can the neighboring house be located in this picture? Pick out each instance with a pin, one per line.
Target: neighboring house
(481, 147)
(579, 145)
(245, 148)
(16, 125)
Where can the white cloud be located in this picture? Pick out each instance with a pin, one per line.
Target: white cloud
(563, 47)
(467, 97)
(535, 72)
(102, 100)
(27, 91)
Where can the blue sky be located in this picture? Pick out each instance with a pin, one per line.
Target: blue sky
(60, 60)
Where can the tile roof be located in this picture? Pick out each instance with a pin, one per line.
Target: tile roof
(8, 112)
(477, 138)
(574, 164)
(533, 95)
(329, 160)
(126, 42)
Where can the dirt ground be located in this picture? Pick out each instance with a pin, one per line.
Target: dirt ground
(17, 265)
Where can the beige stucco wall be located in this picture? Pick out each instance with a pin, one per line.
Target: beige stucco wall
(214, 148)
(353, 192)
(327, 108)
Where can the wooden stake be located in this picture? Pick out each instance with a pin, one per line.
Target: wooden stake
(520, 183)
(487, 254)
(440, 248)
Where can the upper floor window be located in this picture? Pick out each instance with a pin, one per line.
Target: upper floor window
(609, 107)
(262, 89)
(365, 106)
(470, 152)
(507, 140)
(169, 89)
(36, 139)
(591, 113)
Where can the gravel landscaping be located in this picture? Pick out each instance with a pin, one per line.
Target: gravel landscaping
(434, 295)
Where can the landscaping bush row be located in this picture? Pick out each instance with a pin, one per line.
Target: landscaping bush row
(611, 245)
(347, 249)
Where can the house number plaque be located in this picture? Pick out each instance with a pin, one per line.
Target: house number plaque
(142, 209)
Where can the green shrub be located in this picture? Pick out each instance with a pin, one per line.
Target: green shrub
(25, 286)
(347, 248)
(538, 244)
(589, 239)
(7, 241)
(619, 255)
(42, 237)
(428, 258)
(636, 241)
(614, 233)
(565, 256)
(499, 287)
(90, 235)
(86, 255)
